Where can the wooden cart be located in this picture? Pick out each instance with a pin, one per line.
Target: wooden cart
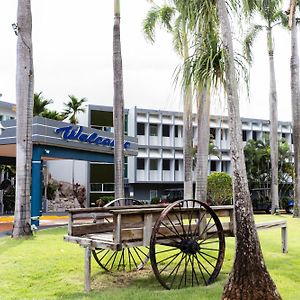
(185, 240)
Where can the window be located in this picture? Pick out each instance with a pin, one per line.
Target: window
(213, 165)
(213, 133)
(244, 135)
(153, 130)
(166, 164)
(254, 135)
(140, 163)
(140, 128)
(176, 130)
(176, 164)
(166, 130)
(283, 135)
(224, 166)
(153, 164)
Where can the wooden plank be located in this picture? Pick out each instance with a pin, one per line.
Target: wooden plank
(117, 229)
(284, 243)
(147, 230)
(80, 230)
(271, 224)
(87, 269)
(85, 242)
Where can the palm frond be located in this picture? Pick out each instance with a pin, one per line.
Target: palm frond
(249, 39)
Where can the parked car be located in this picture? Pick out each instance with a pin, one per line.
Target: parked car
(171, 195)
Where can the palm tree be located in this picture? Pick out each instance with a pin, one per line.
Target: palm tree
(52, 114)
(175, 20)
(118, 106)
(249, 276)
(272, 15)
(40, 103)
(73, 107)
(24, 99)
(295, 95)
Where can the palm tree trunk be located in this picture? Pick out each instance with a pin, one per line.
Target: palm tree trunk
(295, 93)
(249, 278)
(202, 145)
(273, 125)
(24, 99)
(187, 127)
(118, 111)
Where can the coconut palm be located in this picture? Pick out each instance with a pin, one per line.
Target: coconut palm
(175, 20)
(40, 103)
(272, 15)
(52, 114)
(295, 95)
(249, 276)
(118, 106)
(73, 108)
(24, 99)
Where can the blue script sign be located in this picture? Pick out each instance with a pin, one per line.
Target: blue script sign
(76, 133)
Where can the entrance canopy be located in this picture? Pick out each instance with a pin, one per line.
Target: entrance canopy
(59, 140)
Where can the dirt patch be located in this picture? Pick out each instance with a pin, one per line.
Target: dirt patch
(119, 279)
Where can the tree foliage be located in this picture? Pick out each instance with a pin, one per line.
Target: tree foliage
(258, 163)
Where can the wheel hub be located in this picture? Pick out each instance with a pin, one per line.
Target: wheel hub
(189, 246)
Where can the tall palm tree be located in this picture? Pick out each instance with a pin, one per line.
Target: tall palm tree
(295, 95)
(73, 108)
(118, 106)
(24, 99)
(271, 13)
(175, 20)
(249, 277)
(40, 103)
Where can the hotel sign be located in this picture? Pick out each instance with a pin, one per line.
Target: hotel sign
(76, 133)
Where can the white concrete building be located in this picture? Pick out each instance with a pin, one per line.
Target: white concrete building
(159, 163)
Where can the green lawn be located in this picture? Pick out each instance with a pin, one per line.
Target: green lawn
(45, 267)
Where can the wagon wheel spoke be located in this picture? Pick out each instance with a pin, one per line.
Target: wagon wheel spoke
(125, 259)
(182, 256)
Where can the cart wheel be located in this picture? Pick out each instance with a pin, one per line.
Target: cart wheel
(187, 245)
(126, 259)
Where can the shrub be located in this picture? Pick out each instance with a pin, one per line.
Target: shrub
(155, 200)
(51, 190)
(219, 189)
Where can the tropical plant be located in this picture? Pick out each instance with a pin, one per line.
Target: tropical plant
(219, 188)
(40, 103)
(272, 15)
(258, 164)
(174, 18)
(73, 108)
(118, 106)
(24, 99)
(295, 94)
(52, 114)
(249, 276)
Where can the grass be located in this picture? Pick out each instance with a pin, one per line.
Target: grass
(45, 267)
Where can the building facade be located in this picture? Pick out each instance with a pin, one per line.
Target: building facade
(159, 163)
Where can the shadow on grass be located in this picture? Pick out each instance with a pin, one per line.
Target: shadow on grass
(139, 285)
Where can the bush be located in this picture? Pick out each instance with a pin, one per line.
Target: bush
(155, 200)
(104, 200)
(51, 190)
(219, 189)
